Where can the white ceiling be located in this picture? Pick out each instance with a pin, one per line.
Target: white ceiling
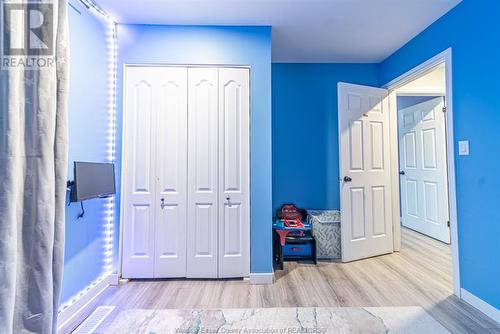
(303, 30)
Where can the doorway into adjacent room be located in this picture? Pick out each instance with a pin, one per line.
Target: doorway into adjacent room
(397, 166)
(422, 122)
(421, 109)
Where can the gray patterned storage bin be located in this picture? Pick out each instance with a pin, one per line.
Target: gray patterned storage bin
(326, 231)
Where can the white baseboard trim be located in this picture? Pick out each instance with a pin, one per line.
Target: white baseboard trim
(81, 301)
(114, 279)
(481, 305)
(123, 281)
(261, 278)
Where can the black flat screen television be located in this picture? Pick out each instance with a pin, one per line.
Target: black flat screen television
(92, 180)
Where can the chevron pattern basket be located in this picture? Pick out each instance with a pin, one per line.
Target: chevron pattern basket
(326, 231)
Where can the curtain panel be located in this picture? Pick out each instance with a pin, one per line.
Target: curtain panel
(33, 163)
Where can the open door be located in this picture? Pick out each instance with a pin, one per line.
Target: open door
(365, 180)
(423, 169)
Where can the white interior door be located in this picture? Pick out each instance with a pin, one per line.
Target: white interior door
(202, 173)
(138, 188)
(424, 179)
(366, 224)
(171, 172)
(234, 157)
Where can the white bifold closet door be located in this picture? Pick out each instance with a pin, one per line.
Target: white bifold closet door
(154, 180)
(234, 173)
(186, 173)
(171, 173)
(202, 173)
(218, 173)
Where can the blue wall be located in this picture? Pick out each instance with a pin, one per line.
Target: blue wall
(87, 126)
(472, 29)
(404, 102)
(305, 131)
(219, 45)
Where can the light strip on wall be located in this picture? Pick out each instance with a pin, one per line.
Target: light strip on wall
(109, 206)
(111, 142)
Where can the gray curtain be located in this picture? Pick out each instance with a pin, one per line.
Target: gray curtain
(33, 168)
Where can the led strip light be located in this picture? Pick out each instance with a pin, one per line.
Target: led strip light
(109, 207)
(111, 141)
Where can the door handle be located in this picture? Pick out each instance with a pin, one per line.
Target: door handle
(162, 203)
(402, 172)
(347, 179)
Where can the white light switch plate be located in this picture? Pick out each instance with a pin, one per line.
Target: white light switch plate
(463, 147)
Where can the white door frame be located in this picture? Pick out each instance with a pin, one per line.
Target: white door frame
(123, 146)
(422, 69)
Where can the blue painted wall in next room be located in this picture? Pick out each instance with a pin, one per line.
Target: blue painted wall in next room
(237, 45)
(87, 126)
(404, 102)
(472, 29)
(305, 131)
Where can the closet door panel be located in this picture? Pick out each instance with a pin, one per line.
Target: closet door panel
(139, 181)
(171, 172)
(234, 157)
(202, 172)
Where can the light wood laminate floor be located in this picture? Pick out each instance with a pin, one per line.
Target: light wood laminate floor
(419, 275)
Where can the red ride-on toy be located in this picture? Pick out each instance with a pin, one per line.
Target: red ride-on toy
(291, 216)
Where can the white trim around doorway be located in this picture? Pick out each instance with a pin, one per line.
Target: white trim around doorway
(420, 70)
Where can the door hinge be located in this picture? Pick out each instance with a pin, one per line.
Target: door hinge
(448, 223)
(444, 109)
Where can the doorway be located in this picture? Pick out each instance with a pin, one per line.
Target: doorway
(430, 86)
(369, 164)
(423, 174)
